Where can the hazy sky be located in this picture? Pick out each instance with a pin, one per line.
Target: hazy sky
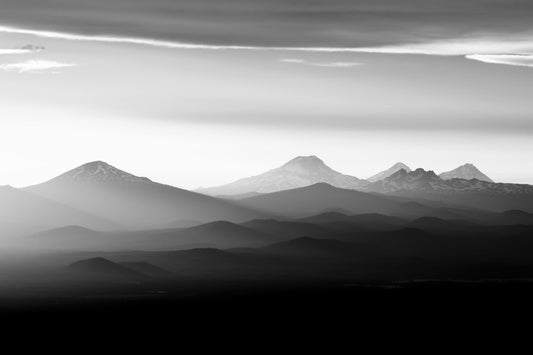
(200, 92)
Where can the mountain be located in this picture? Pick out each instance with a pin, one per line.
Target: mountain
(421, 184)
(418, 180)
(66, 238)
(466, 172)
(135, 202)
(370, 221)
(22, 212)
(386, 173)
(105, 267)
(314, 199)
(310, 246)
(299, 172)
(287, 229)
(219, 234)
(147, 269)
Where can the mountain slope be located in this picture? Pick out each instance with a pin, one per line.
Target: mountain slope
(105, 267)
(299, 172)
(466, 172)
(386, 173)
(67, 238)
(314, 199)
(220, 234)
(22, 212)
(136, 202)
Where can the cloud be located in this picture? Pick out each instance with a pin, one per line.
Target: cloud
(338, 23)
(124, 40)
(29, 48)
(321, 64)
(460, 46)
(491, 47)
(35, 66)
(523, 60)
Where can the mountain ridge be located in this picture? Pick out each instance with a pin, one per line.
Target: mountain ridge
(474, 193)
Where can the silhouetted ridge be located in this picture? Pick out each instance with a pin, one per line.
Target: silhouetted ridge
(517, 213)
(103, 266)
(314, 199)
(307, 245)
(147, 269)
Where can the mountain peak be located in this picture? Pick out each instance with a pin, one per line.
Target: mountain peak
(400, 165)
(306, 162)
(298, 172)
(466, 171)
(98, 171)
(390, 171)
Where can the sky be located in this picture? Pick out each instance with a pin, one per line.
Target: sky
(202, 92)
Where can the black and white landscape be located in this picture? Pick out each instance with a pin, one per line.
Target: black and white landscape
(98, 226)
(264, 153)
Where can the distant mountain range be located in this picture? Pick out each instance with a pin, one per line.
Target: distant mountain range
(421, 180)
(101, 197)
(476, 193)
(299, 172)
(308, 170)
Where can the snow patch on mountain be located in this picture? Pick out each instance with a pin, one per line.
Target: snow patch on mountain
(99, 171)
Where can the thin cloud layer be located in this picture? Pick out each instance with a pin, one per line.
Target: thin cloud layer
(461, 46)
(468, 47)
(275, 23)
(321, 64)
(35, 66)
(29, 48)
(522, 60)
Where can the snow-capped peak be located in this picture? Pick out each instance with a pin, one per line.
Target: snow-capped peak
(306, 164)
(98, 171)
(298, 172)
(386, 173)
(467, 171)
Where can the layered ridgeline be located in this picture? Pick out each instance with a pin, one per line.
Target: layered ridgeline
(299, 172)
(424, 184)
(134, 202)
(22, 212)
(467, 172)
